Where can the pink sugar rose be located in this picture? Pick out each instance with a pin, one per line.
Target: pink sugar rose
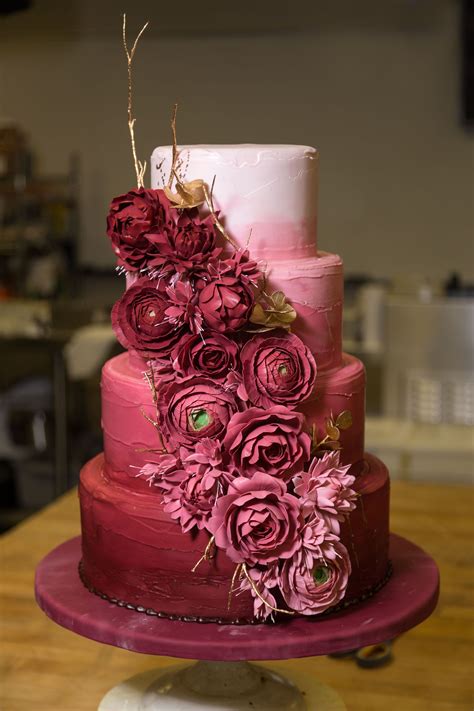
(193, 409)
(208, 353)
(131, 219)
(270, 440)
(183, 309)
(187, 247)
(277, 370)
(313, 589)
(257, 521)
(226, 303)
(140, 322)
(326, 486)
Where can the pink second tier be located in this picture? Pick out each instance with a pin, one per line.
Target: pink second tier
(135, 553)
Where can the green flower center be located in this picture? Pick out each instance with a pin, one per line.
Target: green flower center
(282, 370)
(321, 574)
(199, 419)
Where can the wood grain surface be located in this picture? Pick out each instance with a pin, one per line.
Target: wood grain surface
(45, 667)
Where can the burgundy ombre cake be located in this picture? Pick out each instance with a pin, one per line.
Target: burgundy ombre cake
(233, 486)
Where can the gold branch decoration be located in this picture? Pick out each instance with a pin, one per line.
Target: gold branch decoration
(217, 222)
(140, 167)
(331, 440)
(260, 596)
(189, 194)
(209, 554)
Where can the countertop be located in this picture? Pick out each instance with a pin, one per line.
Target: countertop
(46, 667)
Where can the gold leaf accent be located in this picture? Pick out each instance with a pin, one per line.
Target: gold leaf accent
(273, 312)
(344, 420)
(332, 431)
(187, 195)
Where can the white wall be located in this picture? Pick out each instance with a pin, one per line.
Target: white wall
(382, 105)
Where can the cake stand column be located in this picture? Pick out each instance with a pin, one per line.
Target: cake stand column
(219, 685)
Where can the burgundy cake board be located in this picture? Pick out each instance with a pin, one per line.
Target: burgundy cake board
(407, 599)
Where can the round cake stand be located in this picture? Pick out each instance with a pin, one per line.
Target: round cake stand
(224, 679)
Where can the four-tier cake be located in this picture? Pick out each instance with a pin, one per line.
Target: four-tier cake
(233, 486)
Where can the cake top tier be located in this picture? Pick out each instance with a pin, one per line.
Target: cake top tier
(268, 193)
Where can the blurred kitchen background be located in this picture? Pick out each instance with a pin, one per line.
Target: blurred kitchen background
(385, 90)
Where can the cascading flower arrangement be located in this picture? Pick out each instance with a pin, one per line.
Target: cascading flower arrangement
(227, 375)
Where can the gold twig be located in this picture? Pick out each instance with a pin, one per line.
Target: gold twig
(174, 156)
(150, 379)
(237, 572)
(208, 554)
(139, 167)
(219, 225)
(157, 428)
(257, 593)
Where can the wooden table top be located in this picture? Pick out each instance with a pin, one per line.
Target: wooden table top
(45, 667)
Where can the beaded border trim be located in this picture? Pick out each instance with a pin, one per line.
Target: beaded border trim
(219, 620)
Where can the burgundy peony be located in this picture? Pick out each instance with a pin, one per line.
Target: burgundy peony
(226, 303)
(313, 589)
(132, 218)
(269, 440)
(187, 247)
(257, 521)
(140, 322)
(277, 370)
(193, 409)
(210, 354)
(326, 486)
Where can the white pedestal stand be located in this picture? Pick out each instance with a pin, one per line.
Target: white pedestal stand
(225, 686)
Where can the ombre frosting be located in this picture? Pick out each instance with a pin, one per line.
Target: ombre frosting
(139, 544)
(267, 194)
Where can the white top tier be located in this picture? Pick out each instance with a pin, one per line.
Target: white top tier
(269, 192)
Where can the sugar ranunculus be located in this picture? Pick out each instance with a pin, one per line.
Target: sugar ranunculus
(193, 409)
(277, 370)
(187, 247)
(257, 521)
(226, 303)
(208, 353)
(139, 320)
(269, 440)
(132, 218)
(326, 486)
(313, 589)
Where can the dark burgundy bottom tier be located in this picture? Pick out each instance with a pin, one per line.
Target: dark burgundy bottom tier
(134, 552)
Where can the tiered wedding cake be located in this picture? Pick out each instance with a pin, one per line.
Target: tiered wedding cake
(233, 484)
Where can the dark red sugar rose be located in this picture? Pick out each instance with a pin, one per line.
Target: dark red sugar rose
(139, 320)
(226, 303)
(208, 353)
(193, 409)
(132, 218)
(269, 440)
(277, 370)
